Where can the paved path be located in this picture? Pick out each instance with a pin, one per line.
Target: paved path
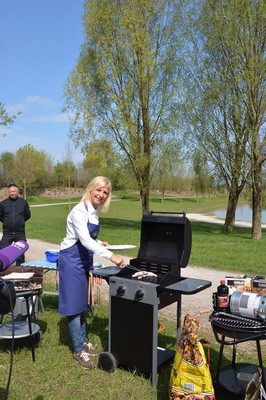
(216, 220)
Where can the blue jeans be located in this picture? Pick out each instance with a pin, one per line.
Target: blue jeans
(77, 330)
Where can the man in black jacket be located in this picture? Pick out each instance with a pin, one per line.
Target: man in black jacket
(14, 212)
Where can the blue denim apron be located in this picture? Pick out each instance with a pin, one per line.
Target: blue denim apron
(74, 266)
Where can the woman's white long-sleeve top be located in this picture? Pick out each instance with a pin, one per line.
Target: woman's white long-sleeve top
(77, 229)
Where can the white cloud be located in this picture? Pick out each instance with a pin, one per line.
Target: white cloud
(58, 118)
(23, 107)
(16, 108)
(40, 101)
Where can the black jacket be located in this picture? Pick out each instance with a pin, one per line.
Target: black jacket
(13, 214)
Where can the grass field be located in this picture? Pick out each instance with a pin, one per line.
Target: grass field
(55, 375)
(211, 247)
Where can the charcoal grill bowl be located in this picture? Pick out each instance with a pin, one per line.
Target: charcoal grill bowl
(237, 333)
(236, 376)
(33, 284)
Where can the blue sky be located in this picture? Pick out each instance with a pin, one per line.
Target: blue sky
(40, 44)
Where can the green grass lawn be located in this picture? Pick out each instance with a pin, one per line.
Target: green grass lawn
(55, 375)
(211, 247)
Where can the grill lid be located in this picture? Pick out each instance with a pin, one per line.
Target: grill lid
(165, 238)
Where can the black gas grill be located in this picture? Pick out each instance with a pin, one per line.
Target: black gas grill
(165, 247)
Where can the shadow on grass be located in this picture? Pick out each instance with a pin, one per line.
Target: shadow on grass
(22, 343)
(64, 336)
(220, 392)
(3, 393)
(96, 326)
(50, 302)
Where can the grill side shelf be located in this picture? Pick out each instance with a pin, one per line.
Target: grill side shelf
(186, 286)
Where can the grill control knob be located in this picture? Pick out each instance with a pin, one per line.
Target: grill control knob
(139, 294)
(121, 290)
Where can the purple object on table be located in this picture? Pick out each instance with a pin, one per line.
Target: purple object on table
(10, 253)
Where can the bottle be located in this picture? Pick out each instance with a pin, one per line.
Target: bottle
(223, 297)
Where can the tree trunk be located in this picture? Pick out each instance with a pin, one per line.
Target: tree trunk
(145, 201)
(256, 202)
(162, 196)
(24, 189)
(233, 197)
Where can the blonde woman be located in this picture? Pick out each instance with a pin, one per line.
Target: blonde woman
(76, 261)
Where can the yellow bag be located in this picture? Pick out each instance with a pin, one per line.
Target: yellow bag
(190, 376)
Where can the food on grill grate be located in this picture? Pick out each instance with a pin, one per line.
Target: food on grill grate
(24, 279)
(145, 276)
(34, 283)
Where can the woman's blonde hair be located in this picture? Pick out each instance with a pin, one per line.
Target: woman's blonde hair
(97, 183)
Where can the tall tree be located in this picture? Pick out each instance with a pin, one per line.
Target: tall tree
(203, 180)
(69, 171)
(6, 162)
(229, 118)
(100, 158)
(124, 85)
(167, 165)
(31, 168)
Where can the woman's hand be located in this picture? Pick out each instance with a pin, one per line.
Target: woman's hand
(118, 260)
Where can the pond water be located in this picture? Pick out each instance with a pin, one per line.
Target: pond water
(243, 213)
